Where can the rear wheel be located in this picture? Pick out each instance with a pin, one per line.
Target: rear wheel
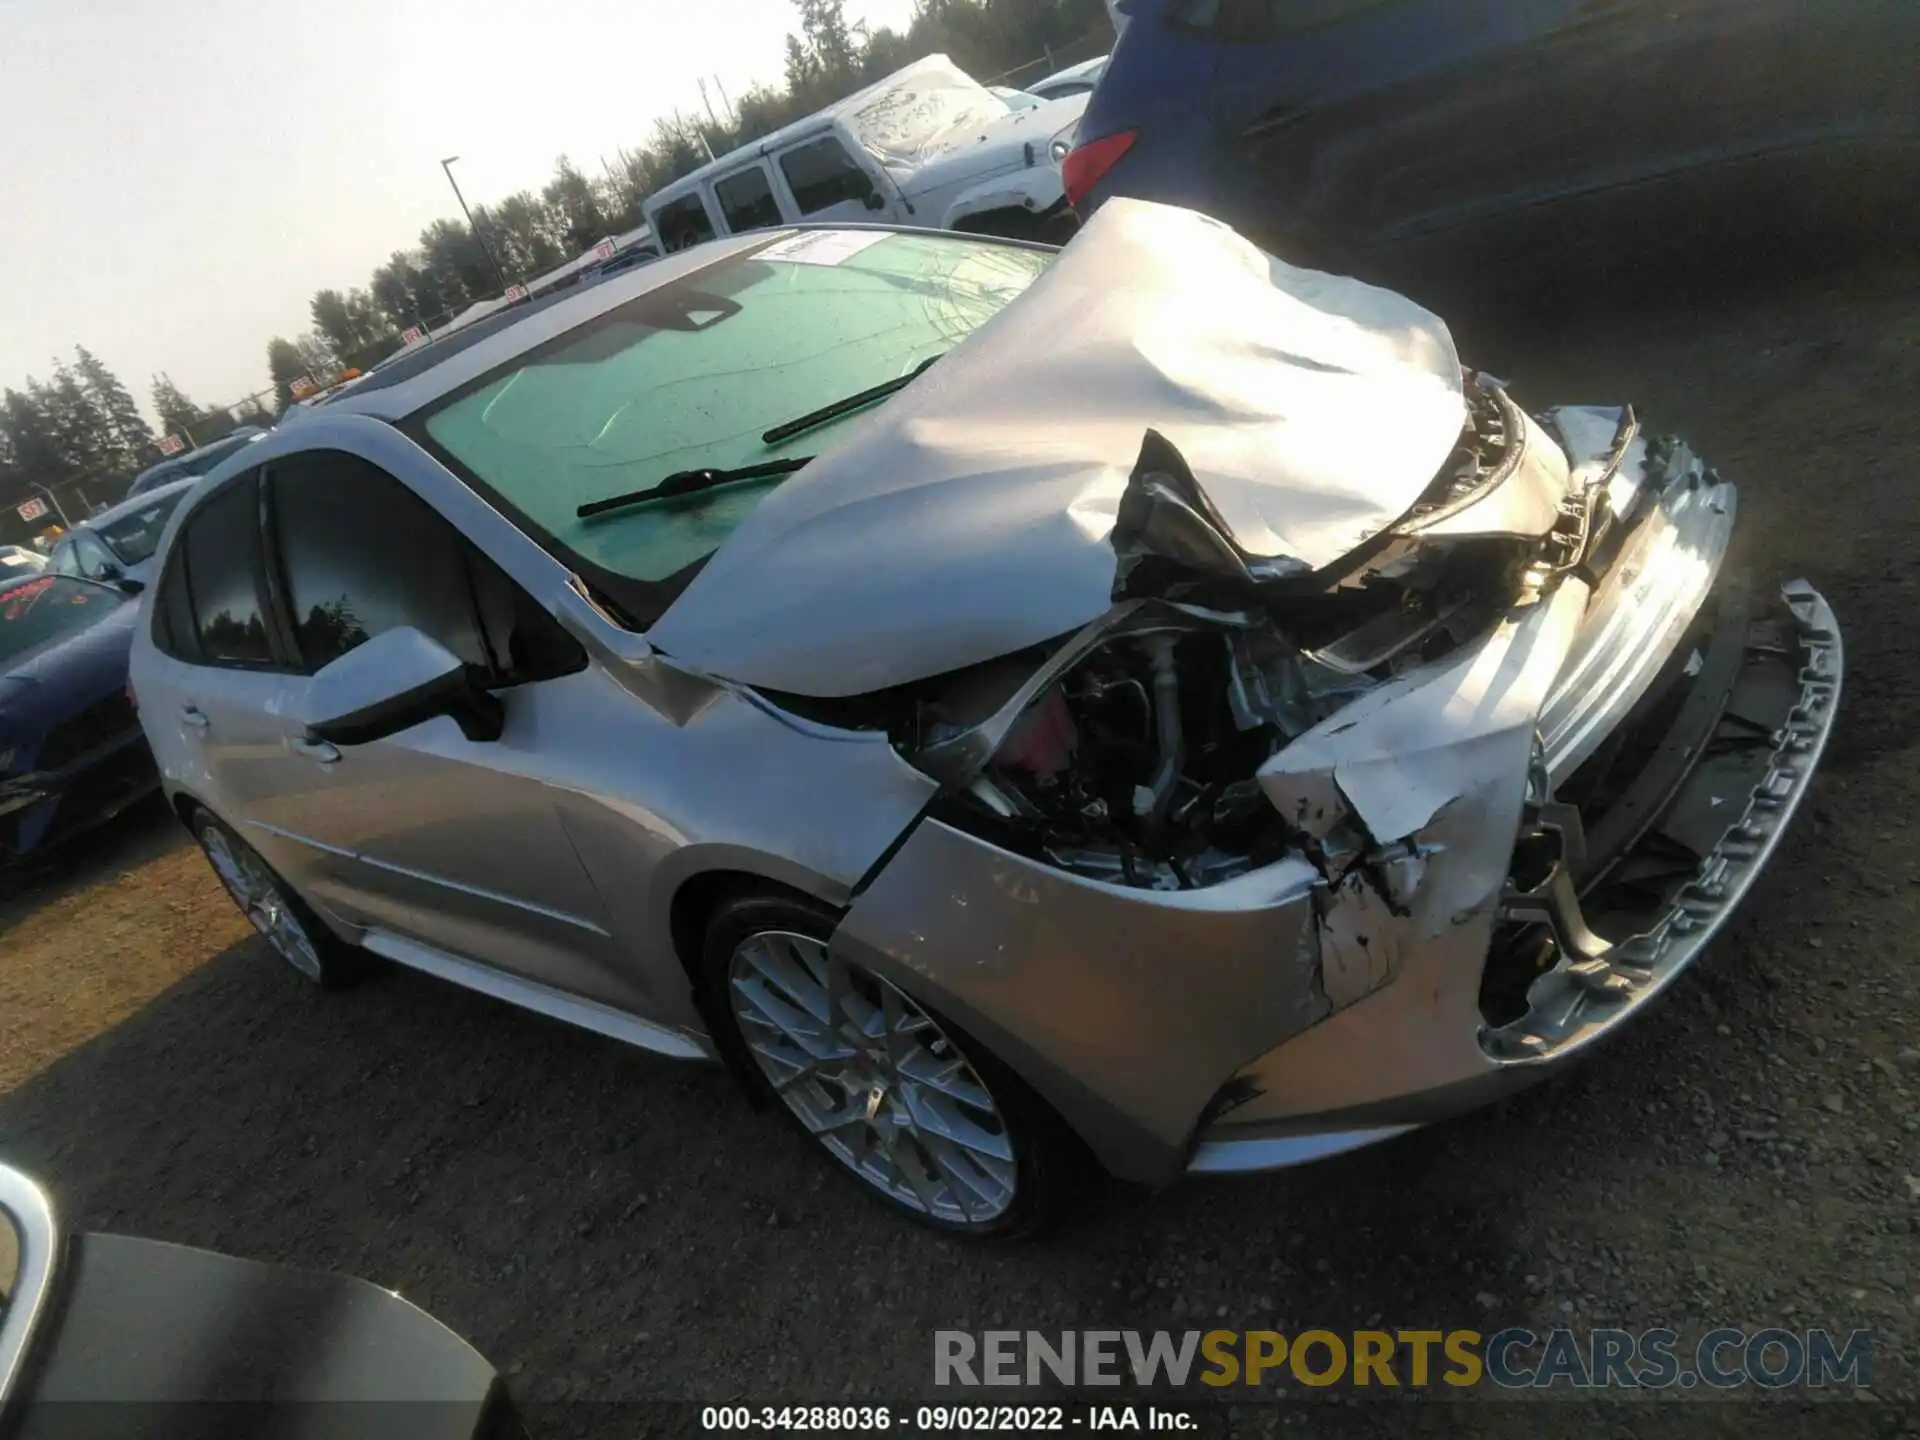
(282, 918)
(924, 1118)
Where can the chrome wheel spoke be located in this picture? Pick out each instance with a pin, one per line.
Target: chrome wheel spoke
(905, 1164)
(872, 1076)
(965, 1175)
(951, 1076)
(798, 1027)
(787, 972)
(255, 891)
(935, 1115)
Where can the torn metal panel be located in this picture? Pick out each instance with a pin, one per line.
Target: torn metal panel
(1362, 945)
(1402, 752)
(1435, 766)
(1124, 1008)
(1164, 516)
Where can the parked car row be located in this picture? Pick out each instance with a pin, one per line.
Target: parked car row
(1140, 704)
(926, 146)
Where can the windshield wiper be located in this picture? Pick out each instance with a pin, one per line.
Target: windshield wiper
(690, 482)
(813, 419)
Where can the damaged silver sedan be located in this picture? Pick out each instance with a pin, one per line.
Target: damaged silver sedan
(1143, 701)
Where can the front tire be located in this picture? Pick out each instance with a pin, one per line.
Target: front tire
(294, 932)
(922, 1117)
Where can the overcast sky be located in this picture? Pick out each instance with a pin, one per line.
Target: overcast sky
(177, 179)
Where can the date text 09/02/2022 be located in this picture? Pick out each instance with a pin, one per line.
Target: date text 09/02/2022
(936, 1419)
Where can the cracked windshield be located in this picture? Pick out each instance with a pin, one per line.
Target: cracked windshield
(691, 376)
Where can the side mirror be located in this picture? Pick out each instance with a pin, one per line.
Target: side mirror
(126, 584)
(874, 201)
(395, 681)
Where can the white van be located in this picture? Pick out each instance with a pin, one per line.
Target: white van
(927, 146)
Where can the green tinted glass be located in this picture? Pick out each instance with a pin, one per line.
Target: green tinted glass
(690, 380)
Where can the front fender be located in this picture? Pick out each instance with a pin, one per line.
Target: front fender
(1036, 190)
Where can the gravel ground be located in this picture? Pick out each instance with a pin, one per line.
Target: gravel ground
(606, 1225)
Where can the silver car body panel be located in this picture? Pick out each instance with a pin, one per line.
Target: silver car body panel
(541, 999)
(1125, 1009)
(554, 853)
(970, 516)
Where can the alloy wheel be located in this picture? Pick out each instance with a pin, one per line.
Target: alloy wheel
(258, 895)
(874, 1078)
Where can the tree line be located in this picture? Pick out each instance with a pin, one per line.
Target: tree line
(84, 423)
(82, 428)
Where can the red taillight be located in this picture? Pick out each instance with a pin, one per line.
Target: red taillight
(1088, 162)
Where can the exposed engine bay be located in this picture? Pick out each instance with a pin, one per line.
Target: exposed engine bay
(1128, 753)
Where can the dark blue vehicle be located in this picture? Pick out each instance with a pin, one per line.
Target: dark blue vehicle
(1322, 128)
(71, 751)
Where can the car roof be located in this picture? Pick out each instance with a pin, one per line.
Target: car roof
(442, 366)
(138, 502)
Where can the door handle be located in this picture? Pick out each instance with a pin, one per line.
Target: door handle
(317, 750)
(193, 717)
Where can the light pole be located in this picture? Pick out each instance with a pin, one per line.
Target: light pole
(499, 274)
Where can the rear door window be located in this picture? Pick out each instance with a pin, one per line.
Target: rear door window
(221, 551)
(821, 174)
(683, 222)
(746, 199)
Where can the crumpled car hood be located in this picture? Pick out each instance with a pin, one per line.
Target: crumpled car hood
(970, 516)
(975, 152)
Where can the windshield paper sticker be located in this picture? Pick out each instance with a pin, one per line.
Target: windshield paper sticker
(822, 247)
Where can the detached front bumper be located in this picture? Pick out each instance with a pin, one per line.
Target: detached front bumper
(1733, 800)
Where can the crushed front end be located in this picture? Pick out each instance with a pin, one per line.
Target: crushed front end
(1268, 863)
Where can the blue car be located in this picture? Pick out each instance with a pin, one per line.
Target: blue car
(71, 751)
(1329, 128)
